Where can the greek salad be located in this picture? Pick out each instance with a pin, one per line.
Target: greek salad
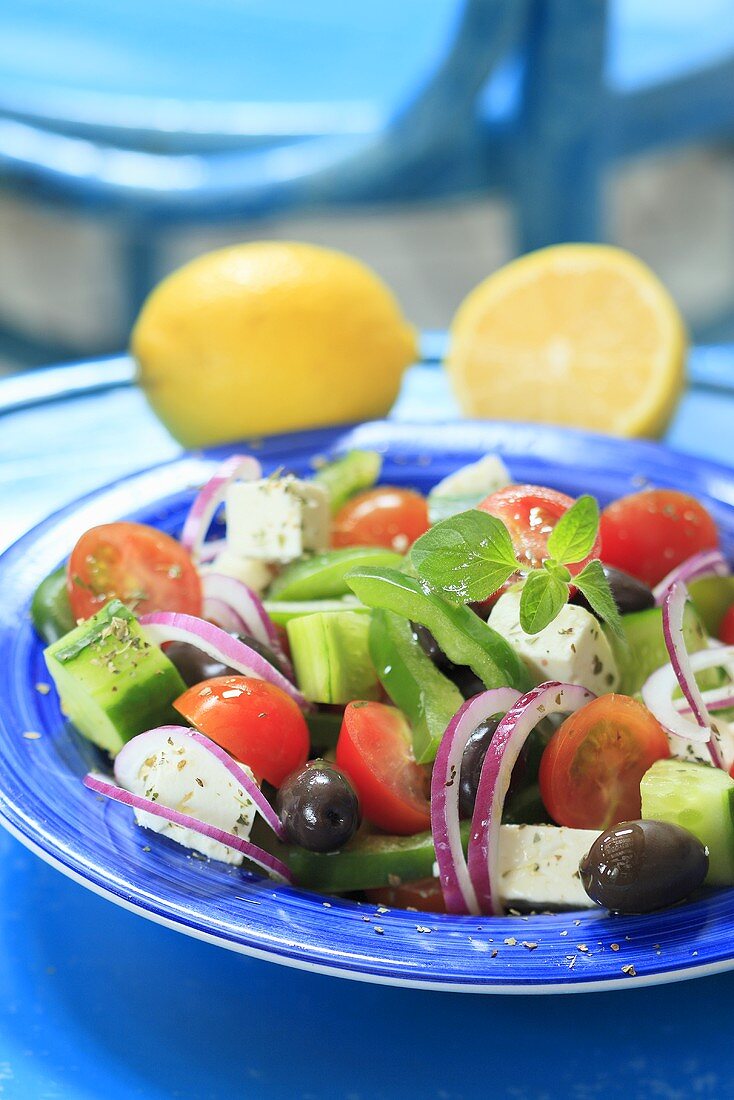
(494, 697)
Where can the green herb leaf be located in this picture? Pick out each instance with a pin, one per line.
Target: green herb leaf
(543, 596)
(574, 535)
(557, 570)
(466, 557)
(595, 586)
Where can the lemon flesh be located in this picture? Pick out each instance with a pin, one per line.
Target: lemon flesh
(579, 335)
(266, 337)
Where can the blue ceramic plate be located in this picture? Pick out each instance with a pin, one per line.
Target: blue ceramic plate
(44, 804)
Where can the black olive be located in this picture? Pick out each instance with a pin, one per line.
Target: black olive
(638, 866)
(466, 681)
(195, 666)
(471, 765)
(431, 647)
(629, 593)
(319, 807)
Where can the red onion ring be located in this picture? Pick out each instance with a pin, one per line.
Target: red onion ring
(706, 563)
(208, 551)
(221, 614)
(270, 864)
(715, 699)
(674, 608)
(170, 626)
(504, 749)
(245, 607)
(132, 748)
(658, 689)
(456, 884)
(203, 510)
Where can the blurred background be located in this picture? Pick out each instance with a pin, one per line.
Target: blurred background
(433, 140)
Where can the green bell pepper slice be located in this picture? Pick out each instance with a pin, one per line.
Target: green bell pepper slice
(50, 609)
(366, 862)
(353, 473)
(462, 635)
(428, 699)
(321, 577)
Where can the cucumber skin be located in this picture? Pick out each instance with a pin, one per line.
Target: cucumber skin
(366, 862)
(321, 577)
(50, 609)
(700, 799)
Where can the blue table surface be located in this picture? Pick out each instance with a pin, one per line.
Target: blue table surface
(97, 1002)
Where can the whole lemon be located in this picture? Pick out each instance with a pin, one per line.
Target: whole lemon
(268, 337)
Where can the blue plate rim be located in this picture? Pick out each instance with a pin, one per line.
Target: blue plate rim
(598, 977)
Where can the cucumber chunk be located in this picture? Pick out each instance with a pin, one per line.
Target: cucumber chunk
(322, 576)
(353, 473)
(643, 650)
(282, 612)
(112, 683)
(712, 597)
(331, 657)
(700, 799)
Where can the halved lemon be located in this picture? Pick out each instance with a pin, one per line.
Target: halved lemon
(577, 334)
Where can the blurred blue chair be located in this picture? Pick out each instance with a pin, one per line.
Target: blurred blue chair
(497, 94)
(631, 77)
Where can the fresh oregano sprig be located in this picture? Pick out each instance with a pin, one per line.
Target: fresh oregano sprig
(469, 556)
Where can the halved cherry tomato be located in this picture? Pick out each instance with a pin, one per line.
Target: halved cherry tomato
(530, 512)
(374, 749)
(591, 769)
(425, 894)
(726, 630)
(647, 534)
(389, 517)
(143, 567)
(253, 720)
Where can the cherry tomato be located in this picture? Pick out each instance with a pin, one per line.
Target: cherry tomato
(388, 517)
(647, 534)
(143, 567)
(374, 749)
(591, 769)
(530, 512)
(424, 894)
(726, 630)
(253, 720)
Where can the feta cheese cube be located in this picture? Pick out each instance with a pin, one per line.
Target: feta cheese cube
(697, 752)
(276, 519)
(539, 866)
(573, 648)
